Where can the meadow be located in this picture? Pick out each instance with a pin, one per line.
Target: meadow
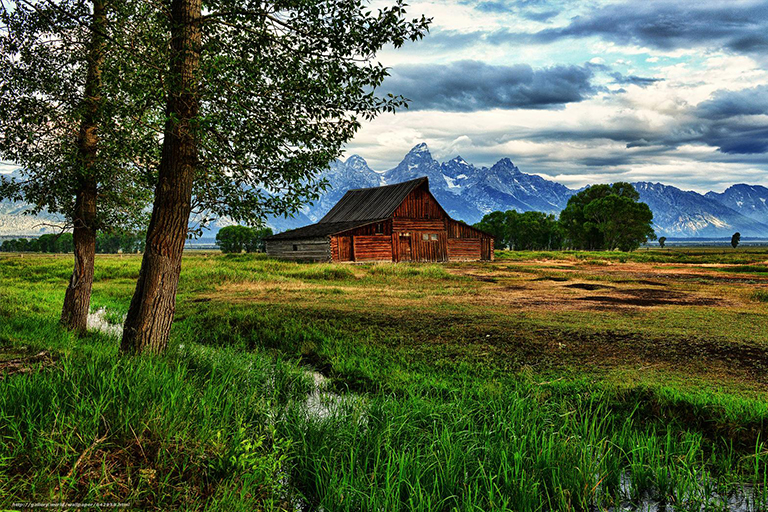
(540, 381)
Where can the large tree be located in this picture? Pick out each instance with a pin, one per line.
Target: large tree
(607, 217)
(77, 138)
(260, 97)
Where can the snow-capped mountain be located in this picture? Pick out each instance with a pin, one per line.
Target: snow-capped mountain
(505, 187)
(748, 200)
(13, 220)
(342, 176)
(680, 213)
(468, 192)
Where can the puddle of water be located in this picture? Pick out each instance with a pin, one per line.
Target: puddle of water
(743, 499)
(97, 321)
(324, 404)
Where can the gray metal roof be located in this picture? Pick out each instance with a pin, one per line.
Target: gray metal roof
(320, 230)
(371, 203)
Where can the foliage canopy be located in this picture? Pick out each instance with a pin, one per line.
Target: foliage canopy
(607, 217)
(523, 231)
(43, 72)
(241, 238)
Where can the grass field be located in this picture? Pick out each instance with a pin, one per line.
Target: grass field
(541, 381)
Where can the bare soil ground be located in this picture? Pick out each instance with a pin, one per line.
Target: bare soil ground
(15, 361)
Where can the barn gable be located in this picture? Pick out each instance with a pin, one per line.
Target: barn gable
(371, 203)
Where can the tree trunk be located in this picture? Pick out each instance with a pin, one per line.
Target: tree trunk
(150, 315)
(77, 299)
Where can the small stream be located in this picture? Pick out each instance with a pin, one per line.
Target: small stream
(97, 321)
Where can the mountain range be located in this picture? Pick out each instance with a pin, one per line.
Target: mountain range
(468, 192)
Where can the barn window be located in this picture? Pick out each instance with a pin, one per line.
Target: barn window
(380, 228)
(433, 236)
(425, 236)
(295, 247)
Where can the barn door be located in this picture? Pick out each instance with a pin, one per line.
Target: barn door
(346, 251)
(485, 249)
(404, 246)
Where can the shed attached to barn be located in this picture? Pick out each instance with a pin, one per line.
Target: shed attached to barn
(402, 222)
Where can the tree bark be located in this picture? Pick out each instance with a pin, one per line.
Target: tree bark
(150, 315)
(77, 299)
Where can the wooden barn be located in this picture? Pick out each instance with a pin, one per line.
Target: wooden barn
(402, 222)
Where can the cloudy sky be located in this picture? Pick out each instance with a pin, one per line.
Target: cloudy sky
(585, 91)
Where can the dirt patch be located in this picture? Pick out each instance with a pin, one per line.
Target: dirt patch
(485, 279)
(589, 286)
(558, 279)
(647, 297)
(648, 282)
(13, 363)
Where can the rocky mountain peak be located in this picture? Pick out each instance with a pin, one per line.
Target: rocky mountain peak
(356, 162)
(419, 151)
(505, 165)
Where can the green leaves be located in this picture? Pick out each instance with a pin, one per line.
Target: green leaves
(607, 217)
(236, 239)
(283, 86)
(43, 100)
(523, 231)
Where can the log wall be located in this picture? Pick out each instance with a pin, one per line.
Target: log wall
(429, 250)
(405, 225)
(385, 228)
(308, 249)
(464, 249)
(458, 229)
(418, 215)
(372, 248)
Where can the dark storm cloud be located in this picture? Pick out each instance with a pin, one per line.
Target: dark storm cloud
(541, 16)
(734, 122)
(495, 7)
(467, 86)
(640, 81)
(725, 104)
(539, 10)
(672, 25)
(534, 12)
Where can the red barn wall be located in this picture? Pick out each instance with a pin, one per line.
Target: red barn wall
(403, 236)
(464, 249)
(420, 204)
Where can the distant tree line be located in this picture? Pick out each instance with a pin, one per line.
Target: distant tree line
(45, 243)
(528, 231)
(601, 217)
(241, 238)
(106, 243)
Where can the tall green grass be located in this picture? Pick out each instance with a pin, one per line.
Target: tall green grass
(221, 422)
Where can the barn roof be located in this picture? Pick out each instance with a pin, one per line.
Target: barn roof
(358, 207)
(370, 204)
(321, 229)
